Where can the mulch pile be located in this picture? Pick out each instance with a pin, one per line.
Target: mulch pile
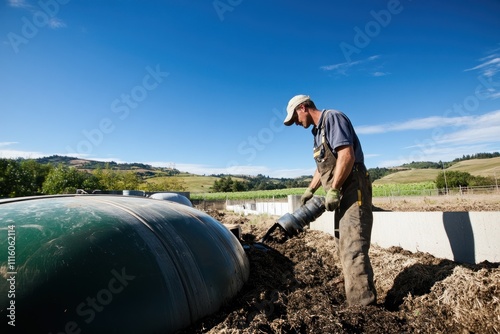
(296, 286)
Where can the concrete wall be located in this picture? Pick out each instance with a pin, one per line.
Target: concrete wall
(271, 208)
(470, 237)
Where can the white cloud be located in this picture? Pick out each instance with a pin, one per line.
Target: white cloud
(380, 74)
(488, 69)
(483, 121)
(15, 154)
(7, 143)
(56, 23)
(457, 136)
(437, 153)
(18, 3)
(343, 68)
(53, 23)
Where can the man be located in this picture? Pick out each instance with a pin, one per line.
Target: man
(342, 173)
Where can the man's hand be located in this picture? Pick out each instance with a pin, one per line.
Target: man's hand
(332, 199)
(308, 194)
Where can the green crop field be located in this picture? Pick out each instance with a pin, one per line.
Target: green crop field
(408, 189)
(257, 194)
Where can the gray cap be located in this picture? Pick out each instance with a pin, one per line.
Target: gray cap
(292, 104)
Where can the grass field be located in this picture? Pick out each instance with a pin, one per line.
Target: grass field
(482, 167)
(409, 176)
(478, 167)
(192, 183)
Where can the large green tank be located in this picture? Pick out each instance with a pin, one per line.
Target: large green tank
(113, 264)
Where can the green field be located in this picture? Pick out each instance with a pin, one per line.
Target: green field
(192, 183)
(244, 195)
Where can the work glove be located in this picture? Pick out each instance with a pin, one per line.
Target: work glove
(332, 199)
(308, 194)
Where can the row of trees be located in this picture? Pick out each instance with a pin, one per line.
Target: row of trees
(28, 177)
(260, 182)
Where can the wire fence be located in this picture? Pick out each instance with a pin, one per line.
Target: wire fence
(408, 191)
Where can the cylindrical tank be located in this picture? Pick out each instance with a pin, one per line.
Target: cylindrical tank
(293, 223)
(113, 264)
(175, 197)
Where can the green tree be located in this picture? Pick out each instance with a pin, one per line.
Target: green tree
(223, 185)
(109, 179)
(91, 182)
(33, 176)
(130, 180)
(452, 179)
(477, 181)
(9, 177)
(63, 180)
(170, 183)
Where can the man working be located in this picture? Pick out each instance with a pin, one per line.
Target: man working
(341, 170)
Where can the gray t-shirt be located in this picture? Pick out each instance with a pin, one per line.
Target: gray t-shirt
(339, 132)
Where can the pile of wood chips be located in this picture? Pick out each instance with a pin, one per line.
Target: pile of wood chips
(296, 286)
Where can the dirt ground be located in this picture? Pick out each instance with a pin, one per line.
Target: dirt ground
(296, 285)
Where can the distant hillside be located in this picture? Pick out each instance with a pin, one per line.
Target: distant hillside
(192, 183)
(143, 169)
(476, 167)
(481, 167)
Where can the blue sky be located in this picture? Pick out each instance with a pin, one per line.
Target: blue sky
(202, 86)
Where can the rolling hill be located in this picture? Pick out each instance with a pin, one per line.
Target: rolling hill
(479, 167)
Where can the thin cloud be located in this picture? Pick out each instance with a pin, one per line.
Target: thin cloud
(7, 143)
(18, 3)
(468, 134)
(56, 23)
(53, 23)
(488, 69)
(438, 153)
(15, 154)
(343, 68)
(380, 74)
(489, 66)
(414, 124)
